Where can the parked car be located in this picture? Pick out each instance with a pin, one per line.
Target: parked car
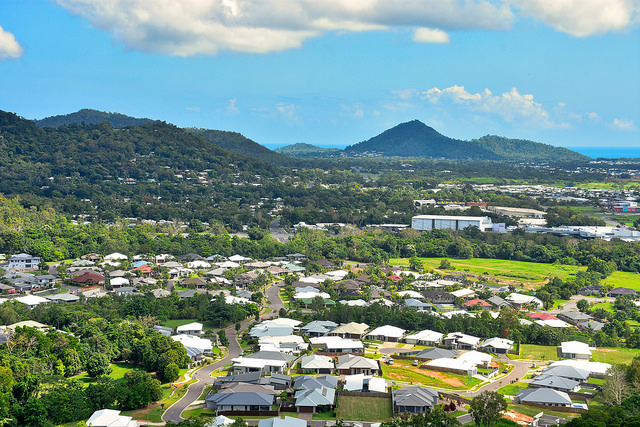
(390, 362)
(416, 362)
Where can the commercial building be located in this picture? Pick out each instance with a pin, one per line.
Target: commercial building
(439, 222)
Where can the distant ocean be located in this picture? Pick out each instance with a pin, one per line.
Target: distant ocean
(608, 152)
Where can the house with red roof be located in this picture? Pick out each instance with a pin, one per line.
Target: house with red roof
(477, 304)
(89, 278)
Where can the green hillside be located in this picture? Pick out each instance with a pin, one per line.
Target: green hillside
(527, 150)
(307, 150)
(91, 117)
(238, 143)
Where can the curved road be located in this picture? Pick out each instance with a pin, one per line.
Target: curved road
(203, 375)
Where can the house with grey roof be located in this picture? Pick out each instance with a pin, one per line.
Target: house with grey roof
(556, 383)
(417, 304)
(414, 399)
(496, 345)
(309, 382)
(315, 400)
(566, 371)
(544, 396)
(436, 353)
(318, 328)
(498, 302)
(282, 422)
(240, 401)
(620, 292)
(574, 317)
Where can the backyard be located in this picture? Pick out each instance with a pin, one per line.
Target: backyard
(364, 408)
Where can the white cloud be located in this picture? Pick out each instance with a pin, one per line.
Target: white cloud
(511, 106)
(191, 27)
(581, 17)
(428, 35)
(9, 47)
(194, 109)
(594, 117)
(355, 111)
(231, 106)
(624, 124)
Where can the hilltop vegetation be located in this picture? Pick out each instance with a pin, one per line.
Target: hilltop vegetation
(88, 116)
(307, 150)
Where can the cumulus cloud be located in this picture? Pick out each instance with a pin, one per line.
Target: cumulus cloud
(511, 106)
(428, 35)
(9, 47)
(581, 17)
(191, 27)
(624, 124)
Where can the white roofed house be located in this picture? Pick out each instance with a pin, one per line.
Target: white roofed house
(194, 328)
(318, 328)
(293, 344)
(426, 337)
(349, 364)
(575, 350)
(496, 345)
(521, 300)
(110, 418)
(460, 341)
(316, 364)
(263, 362)
(386, 333)
(116, 257)
(196, 347)
(118, 282)
(351, 330)
(338, 345)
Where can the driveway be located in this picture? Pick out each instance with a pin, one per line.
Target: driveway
(571, 305)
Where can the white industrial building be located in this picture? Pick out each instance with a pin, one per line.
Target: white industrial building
(438, 222)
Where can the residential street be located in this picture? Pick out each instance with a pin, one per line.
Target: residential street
(173, 413)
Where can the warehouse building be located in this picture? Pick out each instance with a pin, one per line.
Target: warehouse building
(438, 222)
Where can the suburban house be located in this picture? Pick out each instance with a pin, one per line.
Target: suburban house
(464, 293)
(477, 304)
(620, 292)
(460, 341)
(338, 345)
(110, 418)
(386, 333)
(575, 317)
(414, 399)
(196, 347)
(89, 278)
(320, 399)
(318, 328)
(351, 365)
(293, 344)
(282, 422)
(425, 337)
(498, 302)
(575, 350)
(194, 328)
(554, 382)
(496, 345)
(22, 262)
(521, 300)
(591, 290)
(544, 396)
(316, 364)
(351, 330)
(240, 401)
(308, 382)
(435, 353)
(365, 383)
(570, 372)
(594, 369)
(417, 304)
(439, 297)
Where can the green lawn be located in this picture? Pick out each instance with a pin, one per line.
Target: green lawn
(364, 408)
(512, 389)
(623, 278)
(538, 352)
(615, 355)
(117, 371)
(532, 411)
(173, 324)
(608, 306)
(528, 274)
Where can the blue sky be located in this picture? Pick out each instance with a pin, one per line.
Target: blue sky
(333, 72)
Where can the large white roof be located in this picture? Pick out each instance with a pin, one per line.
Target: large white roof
(387, 331)
(426, 335)
(575, 347)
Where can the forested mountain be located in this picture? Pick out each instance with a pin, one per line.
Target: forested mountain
(91, 117)
(307, 150)
(238, 143)
(523, 149)
(415, 139)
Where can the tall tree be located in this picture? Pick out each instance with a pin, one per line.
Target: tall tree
(487, 407)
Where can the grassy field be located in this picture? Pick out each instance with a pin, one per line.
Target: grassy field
(364, 408)
(445, 380)
(614, 355)
(622, 278)
(512, 389)
(530, 275)
(532, 411)
(527, 274)
(117, 371)
(538, 352)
